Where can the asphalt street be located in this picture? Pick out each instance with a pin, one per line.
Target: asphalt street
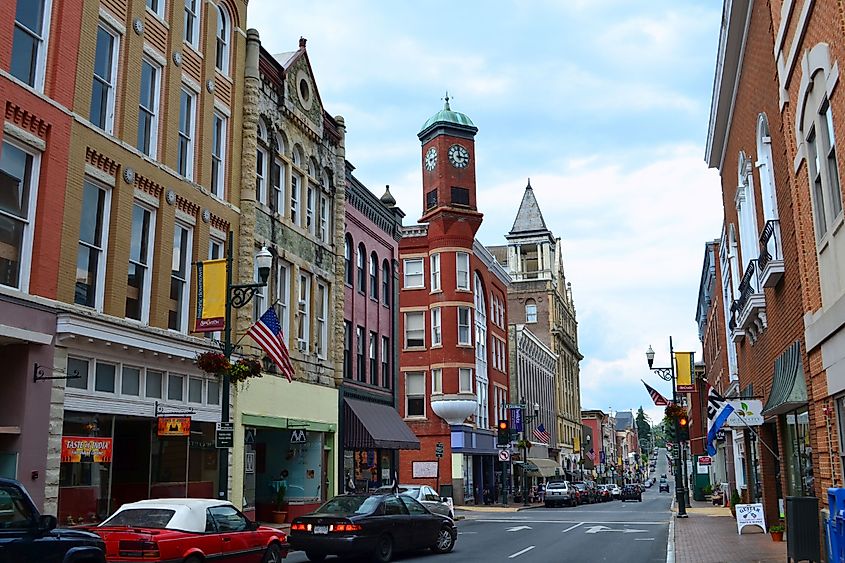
(616, 531)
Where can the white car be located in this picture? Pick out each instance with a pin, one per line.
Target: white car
(616, 491)
(427, 496)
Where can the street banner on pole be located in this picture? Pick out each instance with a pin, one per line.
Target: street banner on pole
(211, 295)
(684, 371)
(516, 419)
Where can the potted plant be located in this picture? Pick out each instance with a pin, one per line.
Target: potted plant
(280, 514)
(776, 532)
(735, 500)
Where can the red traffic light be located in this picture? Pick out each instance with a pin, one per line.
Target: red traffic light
(683, 421)
(503, 425)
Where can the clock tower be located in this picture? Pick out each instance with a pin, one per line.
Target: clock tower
(448, 169)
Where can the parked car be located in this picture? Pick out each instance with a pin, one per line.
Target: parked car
(664, 485)
(374, 526)
(185, 529)
(29, 537)
(586, 493)
(615, 490)
(604, 492)
(560, 492)
(631, 492)
(425, 495)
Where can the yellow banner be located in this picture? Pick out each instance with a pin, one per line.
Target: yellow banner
(684, 372)
(211, 295)
(577, 446)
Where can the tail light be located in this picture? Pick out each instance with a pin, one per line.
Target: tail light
(300, 527)
(345, 528)
(139, 549)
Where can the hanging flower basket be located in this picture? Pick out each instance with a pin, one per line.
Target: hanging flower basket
(217, 364)
(674, 411)
(243, 369)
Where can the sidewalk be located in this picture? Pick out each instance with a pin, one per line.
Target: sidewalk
(709, 536)
(512, 507)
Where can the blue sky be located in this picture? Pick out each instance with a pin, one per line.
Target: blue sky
(604, 104)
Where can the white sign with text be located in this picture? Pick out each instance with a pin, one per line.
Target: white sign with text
(750, 515)
(747, 412)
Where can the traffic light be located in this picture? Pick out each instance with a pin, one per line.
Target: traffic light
(504, 436)
(683, 428)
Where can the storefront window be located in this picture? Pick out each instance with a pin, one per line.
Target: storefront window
(291, 458)
(798, 453)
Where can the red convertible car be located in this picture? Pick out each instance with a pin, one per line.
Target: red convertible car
(189, 531)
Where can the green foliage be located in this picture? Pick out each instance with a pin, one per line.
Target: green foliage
(776, 528)
(643, 426)
(735, 498)
(280, 496)
(707, 489)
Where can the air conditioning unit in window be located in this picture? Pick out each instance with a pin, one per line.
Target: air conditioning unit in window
(301, 345)
(302, 305)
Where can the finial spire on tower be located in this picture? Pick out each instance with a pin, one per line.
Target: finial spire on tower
(446, 99)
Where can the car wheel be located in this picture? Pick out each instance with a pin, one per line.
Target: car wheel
(273, 554)
(384, 550)
(445, 541)
(315, 556)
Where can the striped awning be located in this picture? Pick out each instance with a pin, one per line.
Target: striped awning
(789, 390)
(372, 425)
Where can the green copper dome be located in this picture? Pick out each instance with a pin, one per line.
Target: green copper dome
(446, 115)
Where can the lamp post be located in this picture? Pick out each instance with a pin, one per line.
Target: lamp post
(668, 374)
(526, 419)
(237, 296)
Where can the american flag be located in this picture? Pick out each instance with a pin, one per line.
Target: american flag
(267, 333)
(659, 400)
(541, 435)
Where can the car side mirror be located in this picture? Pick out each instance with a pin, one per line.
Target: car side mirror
(444, 499)
(47, 522)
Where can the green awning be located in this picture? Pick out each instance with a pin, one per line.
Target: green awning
(542, 467)
(789, 391)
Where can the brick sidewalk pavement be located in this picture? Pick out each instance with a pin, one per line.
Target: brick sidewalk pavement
(709, 536)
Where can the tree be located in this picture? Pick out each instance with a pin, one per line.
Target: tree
(643, 426)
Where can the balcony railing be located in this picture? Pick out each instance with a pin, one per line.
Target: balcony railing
(748, 312)
(770, 262)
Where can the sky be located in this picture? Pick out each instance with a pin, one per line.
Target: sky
(603, 104)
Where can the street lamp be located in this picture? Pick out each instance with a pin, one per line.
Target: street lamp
(237, 296)
(668, 374)
(526, 419)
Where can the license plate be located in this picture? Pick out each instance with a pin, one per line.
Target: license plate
(321, 529)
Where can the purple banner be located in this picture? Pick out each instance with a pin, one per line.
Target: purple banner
(516, 419)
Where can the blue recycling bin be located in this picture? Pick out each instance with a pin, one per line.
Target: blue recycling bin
(836, 524)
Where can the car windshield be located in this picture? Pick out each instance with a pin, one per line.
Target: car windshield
(343, 505)
(407, 491)
(556, 485)
(581, 486)
(141, 517)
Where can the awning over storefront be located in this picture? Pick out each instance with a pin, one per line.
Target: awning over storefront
(789, 391)
(371, 425)
(543, 467)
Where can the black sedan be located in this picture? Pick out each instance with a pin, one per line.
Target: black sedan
(631, 492)
(376, 526)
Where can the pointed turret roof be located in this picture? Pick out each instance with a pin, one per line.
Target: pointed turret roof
(529, 218)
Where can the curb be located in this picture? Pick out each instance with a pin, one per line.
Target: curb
(670, 542)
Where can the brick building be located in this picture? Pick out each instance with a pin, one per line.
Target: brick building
(453, 322)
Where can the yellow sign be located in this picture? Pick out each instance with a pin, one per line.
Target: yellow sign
(174, 426)
(211, 295)
(577, 447)
(684, 371)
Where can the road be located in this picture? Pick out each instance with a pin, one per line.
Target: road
(629, 532)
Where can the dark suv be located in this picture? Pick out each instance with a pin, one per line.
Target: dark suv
(29, 537)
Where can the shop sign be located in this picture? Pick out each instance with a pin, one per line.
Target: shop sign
(77, 450)
(750, 515)
(174, 426)
(438, 450)
(424, 469)
(705, 460)
(224, 435)
(298, 436)
(747, 412)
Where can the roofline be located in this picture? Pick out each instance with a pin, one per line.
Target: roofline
(490, 261)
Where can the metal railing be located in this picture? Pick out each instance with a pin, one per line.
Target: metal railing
(770, 244)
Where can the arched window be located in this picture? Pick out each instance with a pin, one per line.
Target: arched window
(224, 33)
(530, 311)
(481, 380)
(362, 271)
(347, 259)
(374, 276)
(746, 211)
(766, 169)
(261, 164)
(385, 283)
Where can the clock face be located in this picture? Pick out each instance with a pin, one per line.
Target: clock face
(458, 156)
(431, 159)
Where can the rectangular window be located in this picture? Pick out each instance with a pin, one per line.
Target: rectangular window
(283, 297)
(386, 274)
(386, 379)
(218, 154)
(93, 234)
(373, 358)
(140, 251)
(104, 377)
(185, 154)
(347, 350)
(373, 277)
(431, 199)
(414, 275)
(465, 380)
(175, 387)
(215, 249)
(177, 316)
(436, 381)
(303, 333)
(415, 329)
(102, 91)
(359, 348)
(18, 184)
(435, 272)
(154, 381)
(130, 381)
(464, 334)
(309, 208)
(213, 392)
(29, 42)
(148, 109)
(463, 270)
(814, 169)
(435, 327)
(360, 258)
(260, 173)
(414, 394)
(322, 320)
(76, 366)
(278, 171)
(323, 233)
(460, 196)
(194, 390)
(156, 7)
(833, 189)
(192, 23)
(295, 183)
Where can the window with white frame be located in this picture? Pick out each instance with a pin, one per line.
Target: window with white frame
(283, 297)
(436, 381)
(192, 23)
(77, 367)
(530, 311)
(303, 333)
(310, 193)
(414, 274)
(175, 387)
(140, 263)
(415, 394)
(153, 384)
(765, 168)
(195, 390)
(156, 7)
(105, 74)
(415, 329)
(19, 184)
(295, 183)
(148, 104)
(374, 276)
(435, 327)
(347, 350)
(218, 154)
(746, 210)
(462, 259)
(261, 164)
(187, 120)
(347, 259)
(212, 392)
(105, 377)
(386, 376)
(435, 271)
(130, 381)
(464, 334)
(322, 334)
(385, 282)
(224, 29)
(360, 258)
(277, 182)
(373, 358)
(177, 314)
(323, 231)
(29, 41)
(216, 248)
(465, 380)
(359, 348)
(93, 234)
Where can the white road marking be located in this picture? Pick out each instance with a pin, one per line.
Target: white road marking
(611, 522)
(643, 539)
(518, 553)
(462, 533)
(572, 527)
(518, 528)
(597, 529)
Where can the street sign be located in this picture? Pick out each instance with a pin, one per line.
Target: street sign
(514, 405)
(438, 450)
(504, 455)
(224, 435)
